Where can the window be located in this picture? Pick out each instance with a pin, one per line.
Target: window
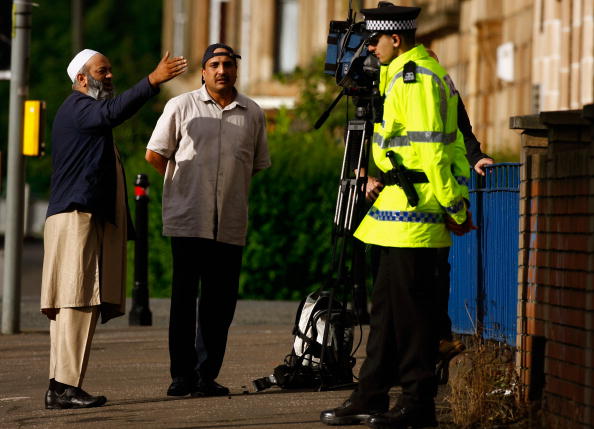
(180, 28)
(288, 31)
(218, 21)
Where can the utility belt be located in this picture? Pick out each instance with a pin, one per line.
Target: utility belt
(392, 177)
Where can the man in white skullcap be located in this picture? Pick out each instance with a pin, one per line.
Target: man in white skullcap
(87, 225)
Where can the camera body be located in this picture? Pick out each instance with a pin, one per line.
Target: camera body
(347, 57)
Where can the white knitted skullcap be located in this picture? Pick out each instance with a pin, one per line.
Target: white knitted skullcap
(78, 61)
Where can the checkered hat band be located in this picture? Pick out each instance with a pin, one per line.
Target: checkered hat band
(388, 25)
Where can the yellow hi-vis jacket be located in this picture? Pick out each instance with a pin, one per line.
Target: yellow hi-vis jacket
(420, 124)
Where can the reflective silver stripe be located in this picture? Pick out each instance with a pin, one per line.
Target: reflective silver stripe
(432, 137)
(377, 139)
(395, 141)
(415, 136)
(443, 101)
(392, 82)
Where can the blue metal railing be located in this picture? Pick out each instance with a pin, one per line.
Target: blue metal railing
(484, 263)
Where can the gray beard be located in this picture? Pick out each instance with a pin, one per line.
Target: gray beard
(97, 90)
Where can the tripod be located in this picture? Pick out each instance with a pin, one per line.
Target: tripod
(347, 260)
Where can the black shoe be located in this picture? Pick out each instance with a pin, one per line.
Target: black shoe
(180, 386)
(405, 417)
(203, 388)
(349, 414)
(73, 397)
(50, 399)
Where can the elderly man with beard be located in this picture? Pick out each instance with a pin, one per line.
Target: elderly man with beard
(84, 266)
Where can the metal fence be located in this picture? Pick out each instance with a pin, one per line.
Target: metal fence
(484, 274)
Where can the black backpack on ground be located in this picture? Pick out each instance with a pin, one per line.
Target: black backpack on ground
(301, 368)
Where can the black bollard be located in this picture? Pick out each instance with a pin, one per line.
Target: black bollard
(140, 314)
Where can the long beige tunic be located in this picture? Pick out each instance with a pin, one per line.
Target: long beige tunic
(84, 261)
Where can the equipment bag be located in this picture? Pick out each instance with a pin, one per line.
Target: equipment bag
(301, 368)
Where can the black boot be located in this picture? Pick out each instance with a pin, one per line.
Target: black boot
(405, 416)
(352, 413)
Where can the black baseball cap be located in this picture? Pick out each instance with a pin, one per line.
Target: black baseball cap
(210, 52)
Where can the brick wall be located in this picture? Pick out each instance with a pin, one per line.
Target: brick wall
(556, 266)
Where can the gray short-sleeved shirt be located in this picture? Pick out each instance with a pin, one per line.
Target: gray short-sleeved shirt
(212, 153)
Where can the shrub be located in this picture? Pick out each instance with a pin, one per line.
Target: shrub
(291, 212)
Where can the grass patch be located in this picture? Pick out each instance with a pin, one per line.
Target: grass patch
(484, 386)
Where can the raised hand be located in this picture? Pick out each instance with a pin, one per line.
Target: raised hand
(167, 69)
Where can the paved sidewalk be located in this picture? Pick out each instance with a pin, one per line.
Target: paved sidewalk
(129, 365)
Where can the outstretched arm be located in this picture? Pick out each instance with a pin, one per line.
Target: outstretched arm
(167, 69)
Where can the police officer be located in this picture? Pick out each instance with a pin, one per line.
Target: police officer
(421, 152)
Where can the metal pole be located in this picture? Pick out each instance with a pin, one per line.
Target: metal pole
(140, 314)
(77, 26)
(13, 243)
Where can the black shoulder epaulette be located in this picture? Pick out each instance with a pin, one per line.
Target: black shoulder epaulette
(409, 72)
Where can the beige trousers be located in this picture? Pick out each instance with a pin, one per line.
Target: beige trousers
(71, 335)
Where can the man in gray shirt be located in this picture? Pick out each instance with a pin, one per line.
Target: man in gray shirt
(208, 143)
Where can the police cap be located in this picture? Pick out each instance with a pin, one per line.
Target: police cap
(391, 18)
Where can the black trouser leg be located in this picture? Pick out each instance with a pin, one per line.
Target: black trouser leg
(216, 306)
(402, 339)
(378, 372)
(416, 304)
(182, 315)
(444, 323)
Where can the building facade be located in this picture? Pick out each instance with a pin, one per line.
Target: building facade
(508, 57)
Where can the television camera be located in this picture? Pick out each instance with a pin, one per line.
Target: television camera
(354, 68)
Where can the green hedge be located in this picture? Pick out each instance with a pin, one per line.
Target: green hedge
(291, 212)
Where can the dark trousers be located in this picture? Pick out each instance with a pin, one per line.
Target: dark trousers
(403, 339)
(197, 339)
(444, 323)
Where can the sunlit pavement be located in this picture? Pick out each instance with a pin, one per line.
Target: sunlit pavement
(130, 365)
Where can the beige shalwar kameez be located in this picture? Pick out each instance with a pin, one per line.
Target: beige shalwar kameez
(84, 269)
